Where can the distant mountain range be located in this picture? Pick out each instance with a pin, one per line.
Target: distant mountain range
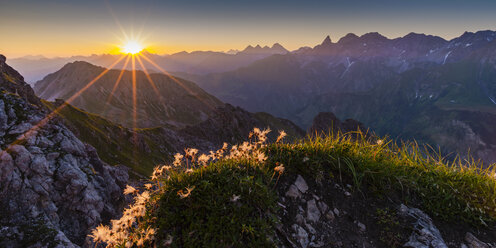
(417, 86)
(34, 68)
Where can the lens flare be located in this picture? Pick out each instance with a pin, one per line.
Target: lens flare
(132, 47)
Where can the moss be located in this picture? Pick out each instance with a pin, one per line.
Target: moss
(389, 225)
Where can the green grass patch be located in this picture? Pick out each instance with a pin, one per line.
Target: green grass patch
(454, 191)
(232, 205)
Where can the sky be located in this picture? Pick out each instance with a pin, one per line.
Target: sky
(66, 27)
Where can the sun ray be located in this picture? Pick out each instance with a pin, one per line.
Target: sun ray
(117, 82)
(135, 103)
(177, 81)
(149, 78)
(52, 114)
(116, 20)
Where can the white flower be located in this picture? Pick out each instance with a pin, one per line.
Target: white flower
(183, 194)
(203, 159)
(282, 134)
(235, 198)
(279, 169)
(177, 159)
(129, 190)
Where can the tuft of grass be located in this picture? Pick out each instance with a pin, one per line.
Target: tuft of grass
(460, 190)
(231, 205)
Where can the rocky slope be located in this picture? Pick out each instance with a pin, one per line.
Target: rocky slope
(53, 187)
(314, 214)
(164, 101)
(145, 148)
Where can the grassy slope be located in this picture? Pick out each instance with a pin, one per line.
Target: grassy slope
(208, 216)
(113, 142)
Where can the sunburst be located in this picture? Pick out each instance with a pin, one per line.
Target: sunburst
(132, 47)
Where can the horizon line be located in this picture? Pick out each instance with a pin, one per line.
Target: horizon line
(241, 49)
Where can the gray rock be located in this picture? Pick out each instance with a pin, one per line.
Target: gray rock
(323, 207)
(301, 184)
(293, 192)
(51, 181)
(310, 229)
(313, 213)
(301, 236)
(330, 216)
(474, 242)
(300, 220)
(21, 128)
(361, 227)
(425, 234)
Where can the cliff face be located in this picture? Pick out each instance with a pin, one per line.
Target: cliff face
(13, 82)
(53, 187)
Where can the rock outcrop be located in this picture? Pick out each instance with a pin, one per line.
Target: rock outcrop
(13, 82)
(233, 124)
(319, 214)
(327, 122)
(53, 187)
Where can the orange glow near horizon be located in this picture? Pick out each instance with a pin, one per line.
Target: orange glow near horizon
(132, 54)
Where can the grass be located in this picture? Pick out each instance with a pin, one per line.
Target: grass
(454, 191)
(232, 205)
(232, 201)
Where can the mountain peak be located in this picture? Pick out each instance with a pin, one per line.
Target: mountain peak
(277, 46)
(327, 41)
(347, 38)
(373, 36)
(275, 49)
(79, 64)
(421, 37)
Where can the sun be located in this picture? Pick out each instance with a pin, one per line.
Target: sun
(132, 47)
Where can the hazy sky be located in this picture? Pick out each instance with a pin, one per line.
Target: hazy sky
(65, 27)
